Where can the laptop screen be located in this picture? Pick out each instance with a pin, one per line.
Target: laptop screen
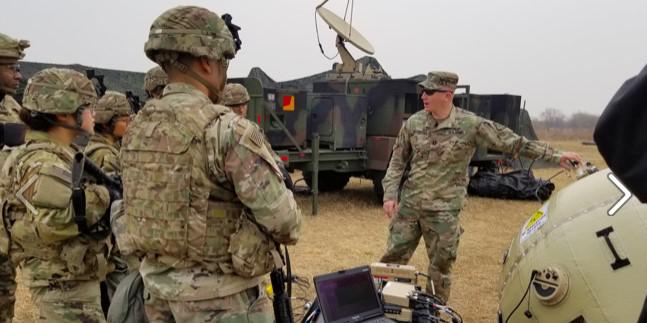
(348, 296)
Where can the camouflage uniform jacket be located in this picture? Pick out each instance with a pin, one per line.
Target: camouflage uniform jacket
(9, 109)
(103, 153)
(440, 154)
(231, 168)
(36, 194)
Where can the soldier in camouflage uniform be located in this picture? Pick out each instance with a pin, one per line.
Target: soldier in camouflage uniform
(236, 97)
(204, 200)
(154, 82)
(61, 266)
(438, 143)
(11, 51)
(112, 116)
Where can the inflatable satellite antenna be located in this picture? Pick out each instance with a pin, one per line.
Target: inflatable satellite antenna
(345, 33)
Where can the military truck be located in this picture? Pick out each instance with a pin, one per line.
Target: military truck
(357, 119)
(343, 129)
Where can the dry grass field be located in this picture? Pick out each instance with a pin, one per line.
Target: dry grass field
(351, 230)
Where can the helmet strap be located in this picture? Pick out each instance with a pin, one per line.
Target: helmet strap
(192, 74)
(78, 122)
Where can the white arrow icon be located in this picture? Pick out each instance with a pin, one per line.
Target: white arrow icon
(623, 200)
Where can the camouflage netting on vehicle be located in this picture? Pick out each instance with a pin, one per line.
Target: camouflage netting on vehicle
(305, 83)
(525, 125)
(120, 81)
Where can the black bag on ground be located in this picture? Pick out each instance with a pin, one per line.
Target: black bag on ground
(128, 301)
(516, 185)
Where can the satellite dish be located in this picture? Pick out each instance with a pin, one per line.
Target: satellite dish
(345, 31)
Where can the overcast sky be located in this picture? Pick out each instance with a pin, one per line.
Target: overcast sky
(566, 54)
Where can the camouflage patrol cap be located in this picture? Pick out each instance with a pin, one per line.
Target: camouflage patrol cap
(192, 30)
(58, 91)
(112, 104)
(234, 94)
(437, 80)
(11, 50)
(155, 77)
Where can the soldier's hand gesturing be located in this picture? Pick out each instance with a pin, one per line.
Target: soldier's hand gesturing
(390, 208)
(570, 160)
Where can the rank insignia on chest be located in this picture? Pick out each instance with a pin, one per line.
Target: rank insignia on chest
(451, 131)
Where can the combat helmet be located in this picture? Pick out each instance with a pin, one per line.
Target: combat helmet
(234, 94)
(58, 91)
(192, 30)
(155, 77)
(11, 50)
(111, 104)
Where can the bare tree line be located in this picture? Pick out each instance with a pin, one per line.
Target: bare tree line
(552, 118)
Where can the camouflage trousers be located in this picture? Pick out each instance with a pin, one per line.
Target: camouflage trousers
(119, 272)
(441, 232)
(73, 301)
(7, 289)
(251, 305)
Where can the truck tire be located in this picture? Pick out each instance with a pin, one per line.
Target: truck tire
(329, 181)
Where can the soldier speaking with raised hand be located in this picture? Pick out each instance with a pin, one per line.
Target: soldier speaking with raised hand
(438, 143)
(11, 51)
(204, 201)
(61, 262)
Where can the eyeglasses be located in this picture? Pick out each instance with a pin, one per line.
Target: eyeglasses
(225, 63)
(15, 68)
(432, 92)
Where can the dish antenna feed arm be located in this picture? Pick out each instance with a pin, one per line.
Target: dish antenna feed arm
(348, 63)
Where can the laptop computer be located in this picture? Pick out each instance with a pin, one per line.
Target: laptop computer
(349, 296)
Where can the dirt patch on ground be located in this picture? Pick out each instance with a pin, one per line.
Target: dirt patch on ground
(351, 230)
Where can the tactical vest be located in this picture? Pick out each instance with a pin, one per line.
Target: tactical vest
(175, 211)
(95, 147)
(77, 258)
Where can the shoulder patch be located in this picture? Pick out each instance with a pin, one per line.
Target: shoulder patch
(254, 140)
(256, 136)
(248, 132)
